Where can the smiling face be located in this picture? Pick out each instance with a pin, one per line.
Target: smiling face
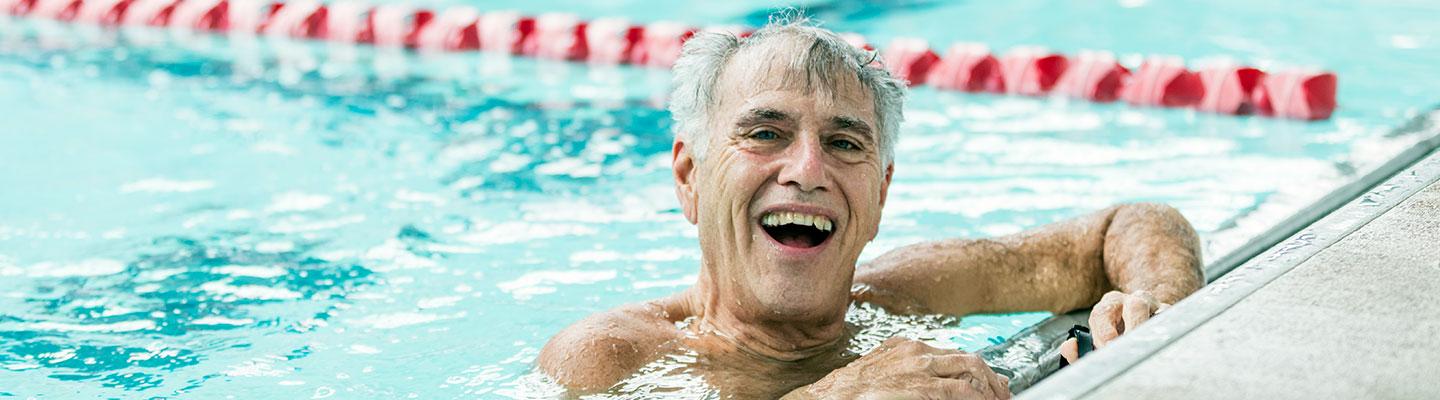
(791, 186)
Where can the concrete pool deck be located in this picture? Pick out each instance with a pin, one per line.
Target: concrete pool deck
(1348, 307)
(1357, 320)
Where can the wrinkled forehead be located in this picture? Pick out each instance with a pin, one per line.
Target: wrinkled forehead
(793, 63)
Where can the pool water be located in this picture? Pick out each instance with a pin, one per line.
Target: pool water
(208, 217)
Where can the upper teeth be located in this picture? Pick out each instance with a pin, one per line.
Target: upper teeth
(787, 217)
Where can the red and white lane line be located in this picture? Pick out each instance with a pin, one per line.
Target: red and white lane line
(969, 67)
(1094, 76)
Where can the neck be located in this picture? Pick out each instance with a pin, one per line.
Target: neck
(751, 328)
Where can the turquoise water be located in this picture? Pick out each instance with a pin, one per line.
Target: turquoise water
(205, 217)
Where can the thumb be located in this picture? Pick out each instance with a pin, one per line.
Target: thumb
(1070, 350)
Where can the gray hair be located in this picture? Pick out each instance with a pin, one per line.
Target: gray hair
(703, 57)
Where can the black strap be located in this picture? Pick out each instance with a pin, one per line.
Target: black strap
(1084, 343)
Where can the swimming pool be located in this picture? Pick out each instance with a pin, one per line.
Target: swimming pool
(207, 217)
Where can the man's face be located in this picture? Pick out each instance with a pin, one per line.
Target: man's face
(791, 186)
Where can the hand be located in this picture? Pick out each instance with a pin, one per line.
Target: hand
(1116, 313)
(909, 369)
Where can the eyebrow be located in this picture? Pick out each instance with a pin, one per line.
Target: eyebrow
(852, 124)
(762, 115)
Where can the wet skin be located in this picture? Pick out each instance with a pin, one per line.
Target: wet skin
(766, 316)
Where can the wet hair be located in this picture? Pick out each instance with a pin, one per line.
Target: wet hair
(824, 61)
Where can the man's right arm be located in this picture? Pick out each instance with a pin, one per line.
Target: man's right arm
(1059, 267)
(599, 351)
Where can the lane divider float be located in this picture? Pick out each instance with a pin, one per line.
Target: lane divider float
(969, 67)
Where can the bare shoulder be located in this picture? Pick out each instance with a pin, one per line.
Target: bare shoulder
(596, 352)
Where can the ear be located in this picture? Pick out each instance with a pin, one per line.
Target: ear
(885, 184)
(884, 192)
(683, 164)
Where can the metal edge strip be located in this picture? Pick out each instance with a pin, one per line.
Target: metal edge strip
(1029, 357)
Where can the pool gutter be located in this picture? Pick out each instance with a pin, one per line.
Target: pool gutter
(1029, 356)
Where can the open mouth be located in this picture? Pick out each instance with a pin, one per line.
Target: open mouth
(795, 229)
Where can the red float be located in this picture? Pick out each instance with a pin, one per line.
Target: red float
(299, 19)
(63, 10)
(246, 16)
(148, 13)
(910, 59)
(16, 7)
(505, 31)
(557, 37)
(1030, 71)
(1306, 95)
(1163, 81)
(966, 66)
(199, 14)
(345, 21)
(1094, 76)
(452, 29)
(394, 25)
(660, 44)
(100, 12)
(611, 40)
(1229, 89)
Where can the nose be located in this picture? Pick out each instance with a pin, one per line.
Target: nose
(804, 165)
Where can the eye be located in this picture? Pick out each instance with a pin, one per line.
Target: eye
(844, 144)
(764, 134)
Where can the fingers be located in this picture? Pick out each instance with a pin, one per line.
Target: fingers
(1138, 309)
(908, 368)
(972, 387)
(963, 388)
(1000, 386)
(1106, 319)
(1117, 313)
(952, 365)
(951, 388)
(991, 382)
(970, 368)
(963, 374)
(896, 342)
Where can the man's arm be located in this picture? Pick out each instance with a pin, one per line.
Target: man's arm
(1060, 267)
(597, 352)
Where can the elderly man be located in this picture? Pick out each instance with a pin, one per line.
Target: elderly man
(782, 158)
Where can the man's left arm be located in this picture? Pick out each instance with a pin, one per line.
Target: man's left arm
(1127, 261)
